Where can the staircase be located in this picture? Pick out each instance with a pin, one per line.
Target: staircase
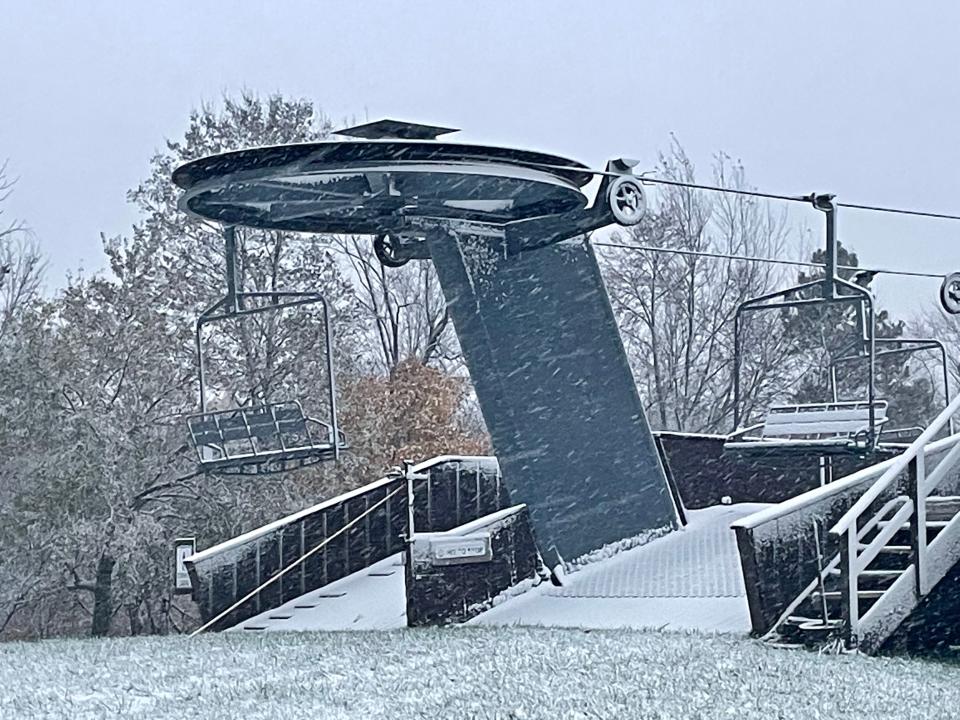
(818, 619)
(886, 553)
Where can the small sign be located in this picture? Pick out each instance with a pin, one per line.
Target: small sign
(460, 549)
(184, 548)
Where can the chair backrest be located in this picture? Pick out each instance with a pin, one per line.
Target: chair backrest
(824, 420)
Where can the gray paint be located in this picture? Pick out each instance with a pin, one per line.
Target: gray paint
(555, 389)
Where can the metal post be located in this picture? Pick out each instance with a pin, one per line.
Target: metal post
(820, 580)
(325, 531)
(331, 380)
(736, 370)
(825, 204)
(230, 241)
(259, 579)
(303, 551)
(849, 599)
(199, 342)
(946, 383)
(918, 523)
(871, 369)
(408, 475)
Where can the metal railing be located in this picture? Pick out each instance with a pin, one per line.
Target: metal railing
(850, 531)
(304, 557)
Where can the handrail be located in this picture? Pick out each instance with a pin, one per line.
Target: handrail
(900, 463)
(296, 563)
(258, 532)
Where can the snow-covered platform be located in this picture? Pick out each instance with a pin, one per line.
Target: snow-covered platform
(371, 599)
(689, 579)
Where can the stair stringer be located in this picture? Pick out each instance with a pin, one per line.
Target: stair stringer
(903, 596)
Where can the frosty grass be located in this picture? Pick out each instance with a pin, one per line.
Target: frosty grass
(462, 673)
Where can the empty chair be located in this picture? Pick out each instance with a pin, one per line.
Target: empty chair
(267, 437)
(828, 428)
(259, 439)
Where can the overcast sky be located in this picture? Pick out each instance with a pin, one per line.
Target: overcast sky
(860, 99)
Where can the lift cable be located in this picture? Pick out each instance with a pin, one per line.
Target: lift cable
(758, 259)
(647, 179)
(730, 256)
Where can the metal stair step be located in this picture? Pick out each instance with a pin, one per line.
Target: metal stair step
(835, 572)
(929, 524)
(800, 619)
(893, 549)
(942, 507)
(819, 626)
(836, 594)
(254, 627)
(279, 617)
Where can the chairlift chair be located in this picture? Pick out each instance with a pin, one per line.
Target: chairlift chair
(824, 429)
(836, 427)
(269, 437)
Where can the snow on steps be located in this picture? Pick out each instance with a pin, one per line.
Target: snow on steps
(370, 599)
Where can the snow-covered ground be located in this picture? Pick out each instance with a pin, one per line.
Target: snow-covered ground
(461, 673)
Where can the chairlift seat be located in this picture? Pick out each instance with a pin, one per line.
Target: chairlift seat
(261, 439)
(828, 428)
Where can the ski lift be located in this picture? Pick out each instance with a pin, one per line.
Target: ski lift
(824, 429)
(269, 437)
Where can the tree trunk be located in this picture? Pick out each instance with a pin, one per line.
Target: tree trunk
(103, 597)
(133, 615)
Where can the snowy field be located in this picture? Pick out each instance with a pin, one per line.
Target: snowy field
(461, 673)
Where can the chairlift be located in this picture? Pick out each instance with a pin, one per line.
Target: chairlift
(824, 429)
(271, 437)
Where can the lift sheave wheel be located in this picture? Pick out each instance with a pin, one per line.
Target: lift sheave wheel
(397, 182)
(386, 248)
(950, 293)
(628, 203)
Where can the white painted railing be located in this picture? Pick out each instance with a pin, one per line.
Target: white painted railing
(850, 530)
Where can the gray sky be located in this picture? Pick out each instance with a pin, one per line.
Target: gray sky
(860, 99)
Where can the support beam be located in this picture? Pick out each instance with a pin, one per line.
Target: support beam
(556, 391)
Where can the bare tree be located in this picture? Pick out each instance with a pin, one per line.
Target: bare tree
(6, 187)
(21, 264)
(404, 306)
(676, 311)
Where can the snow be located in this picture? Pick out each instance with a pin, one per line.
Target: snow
(481, 523)
(689, 579)
(677, 433)
(370, 599)
(529, 673)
